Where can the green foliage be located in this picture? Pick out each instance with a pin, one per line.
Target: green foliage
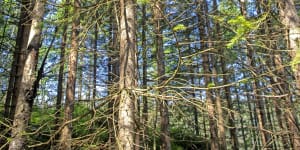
(179, 27)
(296, 60)
(143, 2)
(40, 115)
(182, 139)
(241, 27)
(230, 16)
(210, 85)
(228, 8)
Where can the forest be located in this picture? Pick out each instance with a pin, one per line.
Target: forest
(149, 74)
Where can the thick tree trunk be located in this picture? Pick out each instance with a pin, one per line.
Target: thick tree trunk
(291, 20)
(128, 75)
(21, 47)
(26, 90)
(66, 133)
(23, 30)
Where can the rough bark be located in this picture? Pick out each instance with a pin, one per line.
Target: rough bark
(203, 21)
(144, 140)
(215, 71)
(219, 110)
(233, 133)
(23, 30)
(113, 73)
(164, 117)
(66, 133)
(21, 47)
(26, 90)
(61, 75)
(128, 75)
(291, 20)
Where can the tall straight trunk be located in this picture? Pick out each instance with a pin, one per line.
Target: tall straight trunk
(254, 136)
(61, 74)
(113, 73)
(241, 119)
(195, 111)
(80, 76)
(18, 61)
(259, 104)
(61, 70)
(215, 71)
(291, 20)
(24, 28)
(192, 81)
(128, 75)
(281, 89)
(144, 140)
(66, 133)
(231, 123)
(158, 11)
(219, 110)
(26, 94)
(203, 21)
(210, 104)
(95, 65)
(233, 133)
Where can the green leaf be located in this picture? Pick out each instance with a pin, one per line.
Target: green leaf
(179, 27)
(143, 2)
(296, 60)
(211, 85)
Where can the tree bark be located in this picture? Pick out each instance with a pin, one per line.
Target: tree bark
(18, 61)
(203, 21)
(291, 20)
(61, 75)
(164, 116)
(144, 140)
(128, 75)
(113, 73)
(66, 133)
(21, 47)
(26, 94)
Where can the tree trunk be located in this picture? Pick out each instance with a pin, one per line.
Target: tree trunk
(214, 60)
(26, 90)
(233, 132)
(21, 47)
(291, 20)
(203, 8)
(113, 74)
(14, 76)
(220, 117)
(241, 120)
(61, 75)
(66, 133)
(164, 117)
(144, 140)
(128, 75)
